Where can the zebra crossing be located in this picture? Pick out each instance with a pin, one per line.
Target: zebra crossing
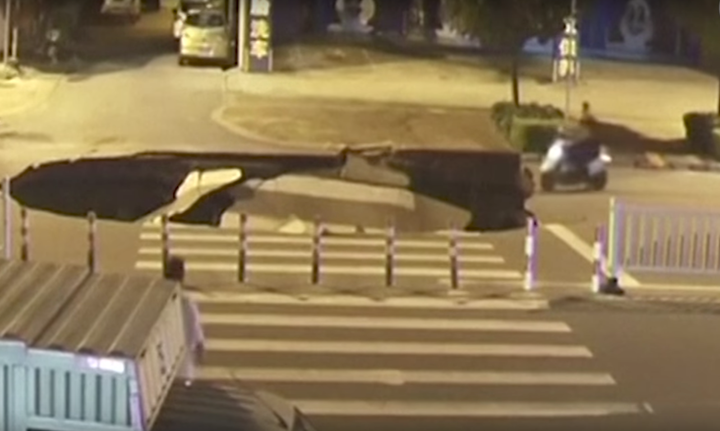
(406, 358)
(212, 253)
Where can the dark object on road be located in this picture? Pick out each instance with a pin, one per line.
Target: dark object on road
(175, 269)
(612, 287)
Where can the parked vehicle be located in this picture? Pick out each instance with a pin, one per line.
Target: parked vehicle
(204, 36)
(122, 8)
(575, 158)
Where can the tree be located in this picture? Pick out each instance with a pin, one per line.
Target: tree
(700, 17)
(505, 25)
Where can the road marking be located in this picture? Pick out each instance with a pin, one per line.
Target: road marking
(348, 322)
(306, 239)
(400, 377)
(326, 255)
(398, 348)
(460, 409)
(229, 298)
(281, 268)
(585, 250)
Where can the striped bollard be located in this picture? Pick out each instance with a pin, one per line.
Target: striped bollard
(599, 277)
(390, 255)
(242, 248)
(92, 242)
(453, 251)
(531, 254)
(165, 242)
(24, 235)
(316, 252)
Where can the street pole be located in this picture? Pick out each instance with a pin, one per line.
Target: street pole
(7, 33)
(571, 59)
(242, 18)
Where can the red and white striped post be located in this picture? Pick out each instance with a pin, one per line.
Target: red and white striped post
(599, 277)
(316, 251)
(165, 242)
(453, 252)
(242, 248)
(24, 235)
(531, 249)
(390, 255)
(92, 242)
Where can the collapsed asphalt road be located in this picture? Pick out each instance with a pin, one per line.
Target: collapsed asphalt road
(134, 187)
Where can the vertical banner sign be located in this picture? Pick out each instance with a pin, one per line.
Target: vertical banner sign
(259, 49)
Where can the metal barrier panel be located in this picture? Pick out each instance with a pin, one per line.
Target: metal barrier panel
(663, 239)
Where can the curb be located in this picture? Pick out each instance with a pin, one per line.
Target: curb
(217, 116)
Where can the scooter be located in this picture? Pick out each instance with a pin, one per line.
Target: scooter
(575, 163)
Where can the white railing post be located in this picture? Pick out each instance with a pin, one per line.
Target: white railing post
(7, 219)
(24, 235)
(390, 255)
(599, 277)
(242, 248)
(453, 252)
(165, 242)
(92, 242)
(316, 251)
(531, 249)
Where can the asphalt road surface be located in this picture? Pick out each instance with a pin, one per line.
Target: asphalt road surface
(426, 364)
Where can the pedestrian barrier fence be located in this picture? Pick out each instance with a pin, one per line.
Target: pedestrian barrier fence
(661, 239)
(387, 249)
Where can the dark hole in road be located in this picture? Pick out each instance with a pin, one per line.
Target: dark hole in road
(130, 188)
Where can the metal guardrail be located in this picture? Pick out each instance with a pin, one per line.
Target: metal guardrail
(656, 239)
(385, 246)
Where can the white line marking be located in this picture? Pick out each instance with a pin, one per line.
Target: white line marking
(229, 298)
(300, 254)
(346, 322)
(460, 409)
(400, 377)
(307, 239)
(327, 269)
(399, 348)
(585, 250)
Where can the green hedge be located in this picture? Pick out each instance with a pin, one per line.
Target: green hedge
(528, 128)
(700, 129)
(532, 135)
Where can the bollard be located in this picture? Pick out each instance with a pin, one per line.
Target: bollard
(92, 242)
(599, 277)
(165, 242)
(453, 252)
(531, 254)
(24, 235)
(7, 219)
(316, 245)
(242, 248)
(390, 255)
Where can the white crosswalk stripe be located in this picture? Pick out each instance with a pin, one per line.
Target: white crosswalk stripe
(352, 357)
(209, 250)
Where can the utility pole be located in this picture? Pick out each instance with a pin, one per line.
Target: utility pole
(7, 33)
(571, 55)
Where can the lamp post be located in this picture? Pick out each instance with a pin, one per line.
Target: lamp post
(7, 33)
(569, 55)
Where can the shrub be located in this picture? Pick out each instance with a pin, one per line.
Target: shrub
(716, 142)
(538, 124)
(699, 127)
(533, 135)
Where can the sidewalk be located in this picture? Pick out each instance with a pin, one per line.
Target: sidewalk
(26, 92)
(647, 100)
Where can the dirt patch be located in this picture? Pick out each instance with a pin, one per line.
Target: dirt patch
(304, 121)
